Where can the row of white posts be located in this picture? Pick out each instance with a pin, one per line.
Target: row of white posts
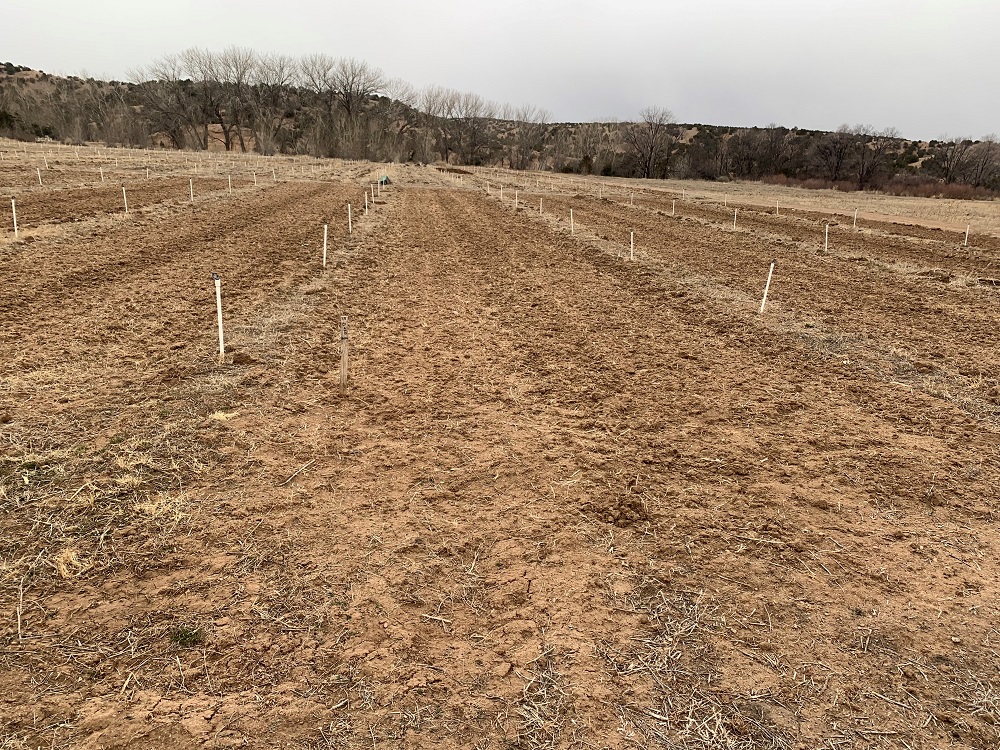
(344, 357)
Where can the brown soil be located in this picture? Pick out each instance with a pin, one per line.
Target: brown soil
(569, 500)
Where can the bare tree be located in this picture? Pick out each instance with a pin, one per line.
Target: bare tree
(951, 157)
(530, 125)
(832, 150)
(650, 140)
(268, 99)
(984, 162)
(871, 152)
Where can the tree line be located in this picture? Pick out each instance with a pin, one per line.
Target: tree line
(325, 106)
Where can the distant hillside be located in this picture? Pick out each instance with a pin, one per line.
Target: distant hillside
(240, 100)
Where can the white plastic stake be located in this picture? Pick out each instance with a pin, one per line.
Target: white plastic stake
(631, 199)
(855, 218)
(39, 172)
(501, 193)
(102, 173)
(776, 209)
(255, 179)
(147, 173)
(325, 227)
(379, 184)
(191, 188)
(767, 287)
(631, 246)
(274, 176)
(826, 241)
(967, 228)
(539, 205)
(572, 226)
(735, 211)
(13, 210)
(46, 161)
(125, 198)
(230, 184)
(350, 223)
(343, 354)
(218, 308)
(366, 203)
(373, 193)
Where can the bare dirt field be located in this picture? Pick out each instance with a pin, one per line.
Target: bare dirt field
(571, 499)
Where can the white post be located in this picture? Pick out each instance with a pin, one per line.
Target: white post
(125, 198)
(572, 227)
(767, 286)
(776, 209)
(826, 241)
(102, 173)
(735, 211)
(366, 203)
(46, 161)
(501, 193)
(147, 173)
(218, 308)
(631, 246)
(725, 200)
(487, 187)
(350, 224)
(255, 179)
(274, 176)
(13, 210)
(855, 218)
(967, 228)
(324, 245)
(39, 172)
(191, 188)
(230, 184)
(631, 199)
(379, 184)
(373, 193)
(539, 205)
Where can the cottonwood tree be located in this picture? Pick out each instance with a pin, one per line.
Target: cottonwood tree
(872, 149)
(831, 152)
(984, 162)
(528, 137)
(269, 95)
(650, 140)
(951, 157)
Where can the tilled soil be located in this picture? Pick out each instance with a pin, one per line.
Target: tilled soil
(568, 499)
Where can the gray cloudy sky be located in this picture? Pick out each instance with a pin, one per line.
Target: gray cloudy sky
(927, 67)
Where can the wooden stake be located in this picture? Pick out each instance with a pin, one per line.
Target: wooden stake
(325, 227)
(767, 287)
(13, 210)
(218, 308)
(343, 354)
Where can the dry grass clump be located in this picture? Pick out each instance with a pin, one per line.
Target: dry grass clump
(691, 707)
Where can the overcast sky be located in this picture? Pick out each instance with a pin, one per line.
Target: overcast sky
(926, 67)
